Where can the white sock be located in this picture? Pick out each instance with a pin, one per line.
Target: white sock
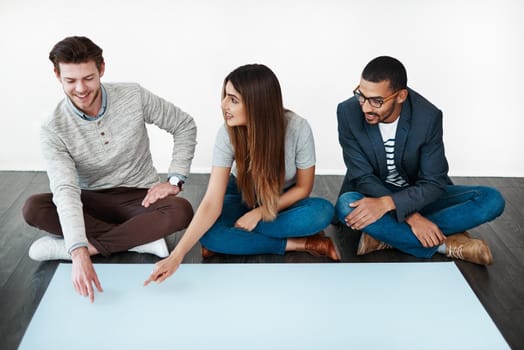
(158, 248)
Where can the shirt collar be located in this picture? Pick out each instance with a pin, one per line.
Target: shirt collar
(82, 115)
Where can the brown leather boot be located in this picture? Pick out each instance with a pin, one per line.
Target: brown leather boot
(320, 245)
(368, 244)
(206, 253)
(461, 237)
(461, 246)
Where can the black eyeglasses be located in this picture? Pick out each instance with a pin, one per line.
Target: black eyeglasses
(375, 102)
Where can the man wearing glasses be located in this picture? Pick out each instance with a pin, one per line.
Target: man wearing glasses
(396, 189)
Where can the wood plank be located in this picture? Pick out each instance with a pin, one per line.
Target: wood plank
(12, 184)
(15, 235)
(20, 297)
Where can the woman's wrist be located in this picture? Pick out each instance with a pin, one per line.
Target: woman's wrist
(176, 256)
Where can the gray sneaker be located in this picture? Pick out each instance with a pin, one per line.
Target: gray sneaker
(49, 248)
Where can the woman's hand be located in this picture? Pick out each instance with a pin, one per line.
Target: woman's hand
(163, 269)
(249, 220)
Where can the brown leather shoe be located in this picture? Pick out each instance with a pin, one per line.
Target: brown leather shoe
(320, 245)
(461, 246)
(462, 237)
(368, 244)
(206, 253)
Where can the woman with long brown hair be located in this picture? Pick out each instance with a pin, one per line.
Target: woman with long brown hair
(257, 200)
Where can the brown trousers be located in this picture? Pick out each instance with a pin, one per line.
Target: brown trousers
(114, 218)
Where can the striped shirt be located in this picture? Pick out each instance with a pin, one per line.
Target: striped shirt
(388, 132)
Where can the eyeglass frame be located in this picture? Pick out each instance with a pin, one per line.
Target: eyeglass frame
(359, 95)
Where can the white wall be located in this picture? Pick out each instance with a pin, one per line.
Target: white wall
(467, 57)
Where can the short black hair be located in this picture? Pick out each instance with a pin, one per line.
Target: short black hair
(76, 49)
(387, 68)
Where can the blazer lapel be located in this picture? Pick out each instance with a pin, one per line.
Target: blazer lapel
(375, 138)
(401, 136)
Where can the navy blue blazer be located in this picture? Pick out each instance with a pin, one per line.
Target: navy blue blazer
(419, 154)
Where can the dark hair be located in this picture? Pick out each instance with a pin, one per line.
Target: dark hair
(386, 68)
(76, 49)
(260, 145)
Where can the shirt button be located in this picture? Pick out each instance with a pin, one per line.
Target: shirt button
(102, 133)
(105, 143)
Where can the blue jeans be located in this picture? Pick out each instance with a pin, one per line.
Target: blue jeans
(304, 218)
(459, 209)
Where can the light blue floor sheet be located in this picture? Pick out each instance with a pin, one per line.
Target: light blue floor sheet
(267, 306)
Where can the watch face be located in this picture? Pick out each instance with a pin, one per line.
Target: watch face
(173, 180)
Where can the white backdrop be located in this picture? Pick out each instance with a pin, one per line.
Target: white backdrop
(467, 57)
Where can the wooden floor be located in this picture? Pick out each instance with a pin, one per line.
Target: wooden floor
(499, 287)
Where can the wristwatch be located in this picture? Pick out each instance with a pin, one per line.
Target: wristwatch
(175, 181)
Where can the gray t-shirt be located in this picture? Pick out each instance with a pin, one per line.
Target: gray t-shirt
(299, 148)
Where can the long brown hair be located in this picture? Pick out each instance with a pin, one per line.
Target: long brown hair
(260, 144)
